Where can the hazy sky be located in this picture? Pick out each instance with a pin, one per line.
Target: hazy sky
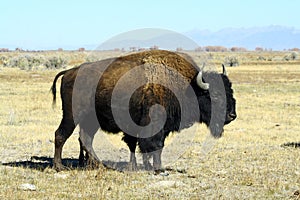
(37, 24)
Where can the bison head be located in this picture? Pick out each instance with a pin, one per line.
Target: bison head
(216, 101)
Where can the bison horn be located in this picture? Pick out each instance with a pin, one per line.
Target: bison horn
(200, 83)
(224, 70)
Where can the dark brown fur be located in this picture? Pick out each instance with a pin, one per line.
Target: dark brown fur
(89, 102)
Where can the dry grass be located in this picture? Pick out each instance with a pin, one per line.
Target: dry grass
(247, 163)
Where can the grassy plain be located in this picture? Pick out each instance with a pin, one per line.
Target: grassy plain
(248, 162)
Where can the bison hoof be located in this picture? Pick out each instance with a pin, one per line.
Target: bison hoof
(93, 163)
(81, 164)
(60, 167)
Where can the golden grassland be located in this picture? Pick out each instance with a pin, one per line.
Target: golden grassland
(248, 162)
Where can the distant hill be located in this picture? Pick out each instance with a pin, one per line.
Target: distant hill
(270, 37)
(147, 38)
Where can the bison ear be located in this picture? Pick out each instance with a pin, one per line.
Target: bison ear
(224, 70)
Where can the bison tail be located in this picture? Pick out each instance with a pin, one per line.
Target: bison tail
(53, 87)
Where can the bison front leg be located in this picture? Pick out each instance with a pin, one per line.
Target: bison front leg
(132, 165)
(157, 160)
(152, 147)
(63, 132)
(146, 162)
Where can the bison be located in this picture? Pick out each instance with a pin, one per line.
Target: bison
(145, 95)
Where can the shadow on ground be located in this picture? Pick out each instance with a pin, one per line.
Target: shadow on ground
(41, 163)
(291, 144)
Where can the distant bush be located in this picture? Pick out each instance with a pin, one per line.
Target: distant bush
(92, 58)
(215, 49)
(198, 49)
(276, 59)
(56, 63)
(294, 49)
(4, 61)
(4, 50)
(292, 56)
(30, 62)
(179, 49)
(26, 62)
(238, 49)
(259, 49)
(232, 61)
(261, 58)
(19, 62)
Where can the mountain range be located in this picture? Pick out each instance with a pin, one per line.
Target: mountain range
(269, 37)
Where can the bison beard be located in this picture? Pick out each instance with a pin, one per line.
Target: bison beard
(87, 101)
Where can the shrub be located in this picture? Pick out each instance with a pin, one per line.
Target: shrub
(215, 49)
(26, 62)
(29, 62)
(92, 58)
(292, 56)
(261, 58)
(232, 61)
(238, 49)
(55, 63)
(19, 62)
(4, 61)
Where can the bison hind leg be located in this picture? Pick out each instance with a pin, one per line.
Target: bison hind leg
(88, 129)
(83, 156)
(63, 132)
(131, 142)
